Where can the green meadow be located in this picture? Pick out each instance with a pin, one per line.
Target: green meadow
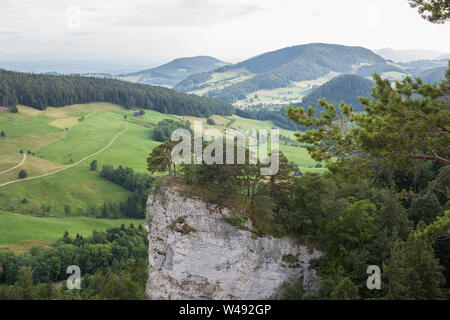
(57, 138)
(20, 232)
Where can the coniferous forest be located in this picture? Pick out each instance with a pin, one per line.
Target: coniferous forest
(39, 91)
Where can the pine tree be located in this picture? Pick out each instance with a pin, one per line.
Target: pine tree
(105, 211)
(414, 272)
(160, 158)
(435, 11)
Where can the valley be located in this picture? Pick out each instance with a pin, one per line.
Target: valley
(58, 145)
(139, 156)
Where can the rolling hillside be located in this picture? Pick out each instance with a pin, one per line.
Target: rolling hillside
(173, 72)
(57, 143)
(432, 75)
(284, 76)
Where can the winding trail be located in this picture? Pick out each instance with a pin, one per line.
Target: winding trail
(23, 160)
(72, 165)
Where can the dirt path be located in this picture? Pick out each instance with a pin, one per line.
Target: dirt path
(23, 160)
(72, 165)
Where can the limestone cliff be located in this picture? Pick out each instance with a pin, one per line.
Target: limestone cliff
(195, 254)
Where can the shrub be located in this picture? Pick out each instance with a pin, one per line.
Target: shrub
(23, 174)
(67, 209)
(236, 220)
(94, 165)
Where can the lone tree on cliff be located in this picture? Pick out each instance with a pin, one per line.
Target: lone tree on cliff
(160, 159)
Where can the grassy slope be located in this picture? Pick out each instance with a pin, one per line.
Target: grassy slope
(43, 132)
(85, 138)
(79, 187)
(19, 232)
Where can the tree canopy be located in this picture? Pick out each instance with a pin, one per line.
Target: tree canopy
(435, 11)
(404, 125)
(164, 129)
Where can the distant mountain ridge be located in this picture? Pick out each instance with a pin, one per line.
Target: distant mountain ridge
(173, 72)
(291, 67)
(432, 75)
(410, 55)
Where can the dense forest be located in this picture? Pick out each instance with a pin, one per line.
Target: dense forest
(39, 91)
(432, 75)
(137, 183)
(370, 221)
(164, 129)
(113, 266)
(347, 88)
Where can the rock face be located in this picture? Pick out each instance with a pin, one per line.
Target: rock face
(195, 254)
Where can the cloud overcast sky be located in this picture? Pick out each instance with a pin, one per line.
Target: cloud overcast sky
(155, 31)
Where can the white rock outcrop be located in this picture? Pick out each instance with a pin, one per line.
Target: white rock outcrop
(195, 254)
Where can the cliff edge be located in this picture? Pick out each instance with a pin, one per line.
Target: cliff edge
(194, 253)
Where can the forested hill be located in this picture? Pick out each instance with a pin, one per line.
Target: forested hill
(345, 88)
(39, 91)
(320, 56)
(283, 68)
(432, 75)
(171, 73)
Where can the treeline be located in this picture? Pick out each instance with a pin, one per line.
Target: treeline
(278, 117)
(126, 177)
(137, 183)
(192, 82)
(113, 265)
(164, 129)
(39, 91)
(367, 71)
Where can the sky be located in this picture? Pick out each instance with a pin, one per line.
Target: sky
(152, 32)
